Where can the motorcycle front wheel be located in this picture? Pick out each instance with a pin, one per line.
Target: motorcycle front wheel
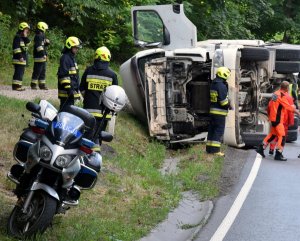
(38, 217)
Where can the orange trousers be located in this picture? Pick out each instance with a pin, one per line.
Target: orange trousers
(276, 132)
(274, 142)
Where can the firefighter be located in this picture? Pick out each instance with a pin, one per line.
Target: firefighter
(288, 121)
(20, 47)
(40, 57)
(68, 73)
(279, 106)
(94, 80)
(219, 105)
(293, 90)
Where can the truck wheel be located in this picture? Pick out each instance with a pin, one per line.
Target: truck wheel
(255, 54)
(288, 54)
(287, 67)
(253, 139)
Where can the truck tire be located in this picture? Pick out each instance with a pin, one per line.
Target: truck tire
(288, 54)
(293, 131)
(287, 67)
(255, 54)
(253, 139)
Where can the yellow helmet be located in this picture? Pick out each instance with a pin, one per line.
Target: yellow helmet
(73, 42)
(103, 53)
(23, 25)
(42, 26)
(223, 72)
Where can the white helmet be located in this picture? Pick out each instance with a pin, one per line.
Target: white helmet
(114, 98)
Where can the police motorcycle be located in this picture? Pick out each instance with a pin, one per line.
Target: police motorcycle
(55, 161)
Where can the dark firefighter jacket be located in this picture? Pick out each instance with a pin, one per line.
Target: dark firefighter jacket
(20, 47)
(94, 80)
(68, 76)
(219, 103)
(39, 50)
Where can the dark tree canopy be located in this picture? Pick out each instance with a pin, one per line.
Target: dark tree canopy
(103, 22)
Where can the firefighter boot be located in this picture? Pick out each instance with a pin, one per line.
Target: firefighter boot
(43, 87)
(260, 150)
(279, 156)
(17, 87)
(33, 86)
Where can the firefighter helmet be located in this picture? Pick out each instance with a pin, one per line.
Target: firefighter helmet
(114, 98)
(42, 26)
(73, 42)
(23, 25)
(103, 54)
(223, 72)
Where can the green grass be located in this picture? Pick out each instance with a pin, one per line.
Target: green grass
(131, 195)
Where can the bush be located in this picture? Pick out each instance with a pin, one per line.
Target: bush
(6, 39)
(57, 41)
(85, 56)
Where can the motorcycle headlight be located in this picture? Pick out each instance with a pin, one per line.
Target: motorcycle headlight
(45, 153)
(63, 161)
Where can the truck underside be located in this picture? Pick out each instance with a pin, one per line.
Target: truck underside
(169, 87)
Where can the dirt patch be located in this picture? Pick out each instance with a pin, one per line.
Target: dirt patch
(28, 94)
(234, 162)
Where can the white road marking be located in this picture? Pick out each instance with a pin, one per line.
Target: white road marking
(238, 202)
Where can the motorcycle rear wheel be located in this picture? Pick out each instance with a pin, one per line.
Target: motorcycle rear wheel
(38, 217)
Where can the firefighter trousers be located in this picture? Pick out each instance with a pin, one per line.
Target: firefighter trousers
(215, 133)
(18, 76)
(38, 74)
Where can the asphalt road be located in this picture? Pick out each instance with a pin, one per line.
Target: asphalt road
(271, 210)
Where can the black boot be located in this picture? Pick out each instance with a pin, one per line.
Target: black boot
(279, 156)
(43, 87)
(260, 150)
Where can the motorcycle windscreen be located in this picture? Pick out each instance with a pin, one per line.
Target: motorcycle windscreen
(67, 128)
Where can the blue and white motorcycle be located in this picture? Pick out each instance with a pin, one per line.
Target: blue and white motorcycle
(55, 160)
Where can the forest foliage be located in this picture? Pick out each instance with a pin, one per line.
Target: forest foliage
(103, 22)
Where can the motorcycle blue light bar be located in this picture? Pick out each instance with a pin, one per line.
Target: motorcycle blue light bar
(42, 124)
(87, 143)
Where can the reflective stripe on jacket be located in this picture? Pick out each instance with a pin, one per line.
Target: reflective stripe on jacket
(219, 102)
(68, 76)
(94, 80)
(39, 48)
(20, 47)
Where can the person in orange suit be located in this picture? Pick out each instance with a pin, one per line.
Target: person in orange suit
(288, 121)
(278, 108)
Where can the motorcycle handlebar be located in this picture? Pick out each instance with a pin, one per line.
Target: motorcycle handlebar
(33, 107)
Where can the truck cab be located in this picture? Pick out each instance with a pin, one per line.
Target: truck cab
(168, 85)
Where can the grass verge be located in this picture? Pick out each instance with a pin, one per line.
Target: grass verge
(131, 195)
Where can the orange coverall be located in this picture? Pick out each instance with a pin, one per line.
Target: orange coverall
(288, 120)
(278, 107)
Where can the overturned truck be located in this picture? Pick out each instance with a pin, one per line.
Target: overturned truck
(168, 85)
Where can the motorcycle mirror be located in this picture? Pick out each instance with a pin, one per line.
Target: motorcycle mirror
(33, 107)
(106, 136)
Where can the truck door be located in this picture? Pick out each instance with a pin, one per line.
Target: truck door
(164, 26)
